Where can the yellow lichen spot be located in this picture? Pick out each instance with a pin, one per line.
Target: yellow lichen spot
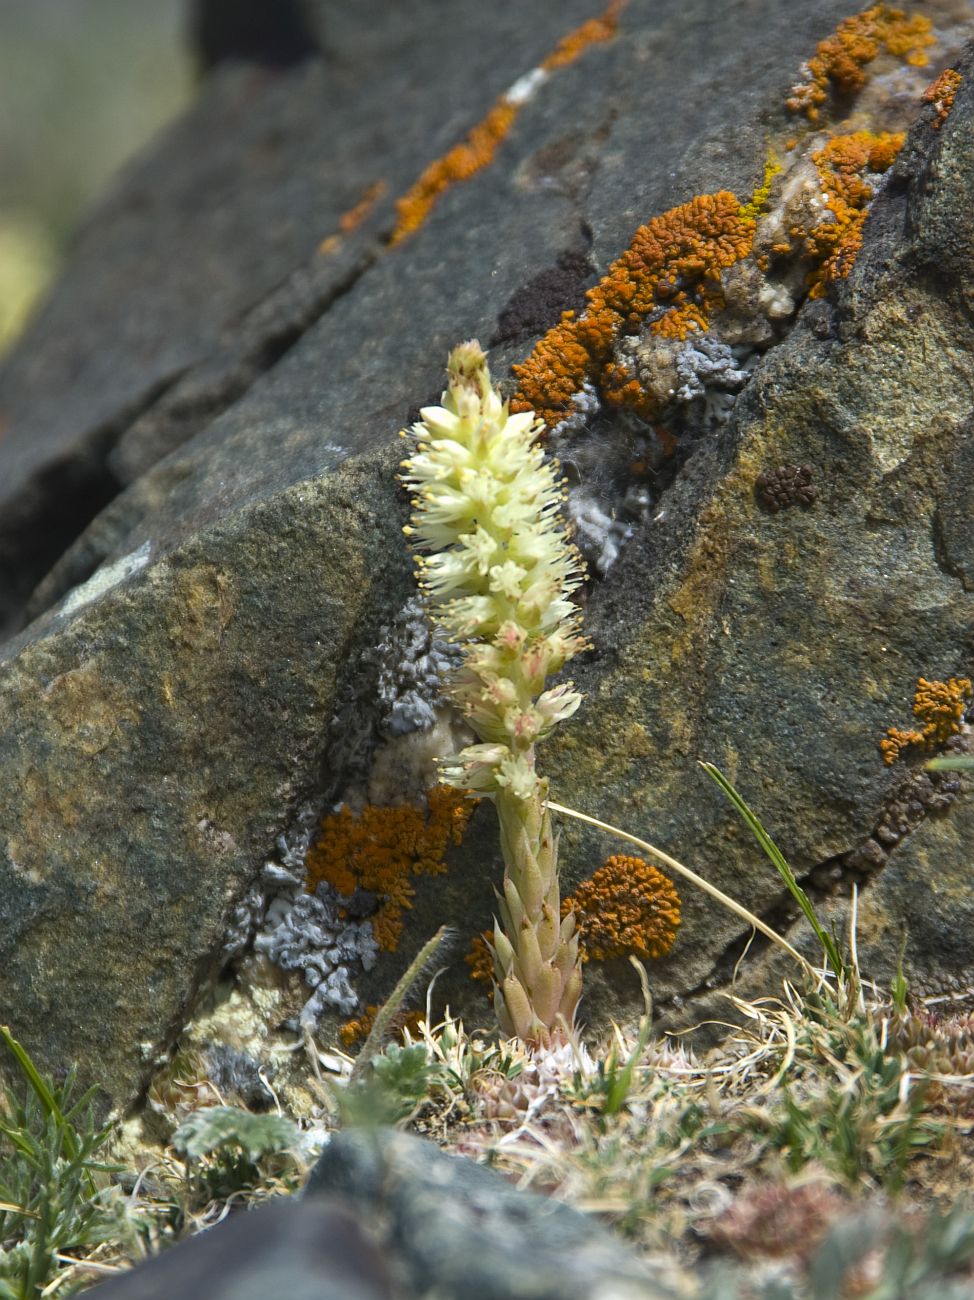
(758, 201)
(628, 906)
(380, 850)
(839, 62)
(842, 165)
(939, 707)
(941, 94)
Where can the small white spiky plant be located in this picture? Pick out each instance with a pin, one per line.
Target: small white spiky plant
(498, 572)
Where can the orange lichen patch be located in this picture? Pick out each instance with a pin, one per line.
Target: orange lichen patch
(354, 1031)
(480, 959)
(354, 217)
(941, 94)
(940, 708)
(842, 166)
(479, 146)
(591, 33)
(381, 849)
(628, 906)
(840, 60)
(476, 150)
(669, 276)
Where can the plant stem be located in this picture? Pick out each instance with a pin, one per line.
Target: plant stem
(536, 959)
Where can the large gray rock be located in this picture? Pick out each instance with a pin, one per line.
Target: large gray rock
(454, 1228)
(167, 706)
(199, 270)
(307, 1250)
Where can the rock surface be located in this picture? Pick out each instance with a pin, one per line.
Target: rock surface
(456, 1228)
(226, 379)
(385, 1214)
(307, 1250)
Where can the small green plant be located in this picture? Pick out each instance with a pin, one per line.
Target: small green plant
(394, 1002)
(951, 763)
(850, 1105)
(396, 1083)
(229, 1150)
(615, 1073)
(54, 1194)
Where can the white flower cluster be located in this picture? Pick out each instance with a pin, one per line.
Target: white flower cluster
(499, 573)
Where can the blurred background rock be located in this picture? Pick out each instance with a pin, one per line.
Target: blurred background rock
(83, 85)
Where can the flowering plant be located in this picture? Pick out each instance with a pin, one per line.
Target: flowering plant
(498, 572)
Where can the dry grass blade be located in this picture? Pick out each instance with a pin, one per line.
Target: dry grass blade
(725, 899)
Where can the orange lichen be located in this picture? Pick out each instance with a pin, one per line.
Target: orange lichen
(840, 60)
(478, 147)
(628, 906)
(480, 959)
(669, 276)
(354, 1031)
(941, 94)
(940, 708)
(842, 165)
(591, 33)
(381, 849)
(475, 151)
(354, 217)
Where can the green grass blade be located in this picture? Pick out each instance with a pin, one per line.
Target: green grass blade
(30, 1072)
(45, 1095)
(780, 864)
(951, 763)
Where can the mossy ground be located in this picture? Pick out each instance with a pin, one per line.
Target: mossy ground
(817, 1140)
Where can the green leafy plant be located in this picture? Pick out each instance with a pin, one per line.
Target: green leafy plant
(394, 1002)
(951, 763)
(850, 1105)
(398, 1081)
(54, 1197)
(615, 1073)
(229, 1150)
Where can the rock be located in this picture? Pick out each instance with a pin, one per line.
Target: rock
(385, 1214)
(141, 795)
(210, 243)
(456, 1228)
(234, 384)
(274, 35)
(307, 1250)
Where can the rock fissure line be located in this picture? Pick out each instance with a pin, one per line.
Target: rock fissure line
(251, 351)
(74, 491)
